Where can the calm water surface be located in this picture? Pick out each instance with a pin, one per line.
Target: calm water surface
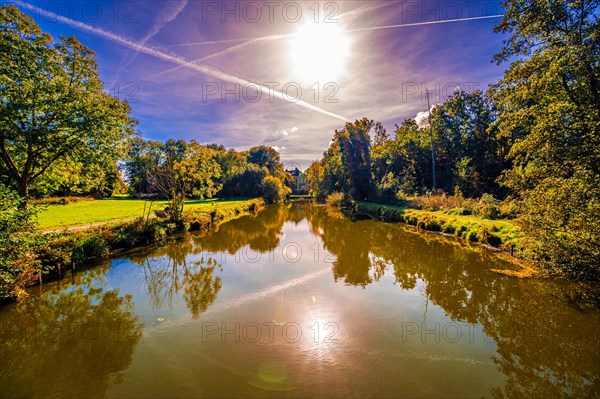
(296, 302)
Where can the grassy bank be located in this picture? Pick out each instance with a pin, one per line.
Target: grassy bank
(85, 213)
(66, 249)
(502, 234)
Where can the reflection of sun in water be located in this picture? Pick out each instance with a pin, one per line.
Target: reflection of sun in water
(318, 52)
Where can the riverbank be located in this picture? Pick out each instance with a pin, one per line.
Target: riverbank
(68, 249)
(500, 235)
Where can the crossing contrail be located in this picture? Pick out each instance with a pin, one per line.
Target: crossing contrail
(219, 53)
(210, 71)
(163, 20)
(249, 41)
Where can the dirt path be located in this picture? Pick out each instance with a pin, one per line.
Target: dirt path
(89, 226)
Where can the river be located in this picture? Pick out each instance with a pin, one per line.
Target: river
(299, 301)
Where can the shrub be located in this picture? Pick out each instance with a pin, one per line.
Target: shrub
(339, 200)
(18, 242)
(273, 189)
(90, 247)
(488, 207)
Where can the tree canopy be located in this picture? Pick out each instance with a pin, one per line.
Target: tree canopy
(52, 103)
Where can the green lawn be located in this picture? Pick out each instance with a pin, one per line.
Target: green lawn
(53, 217)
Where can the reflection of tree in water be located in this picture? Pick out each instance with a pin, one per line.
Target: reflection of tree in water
(196, 279)
(74, 344)
(546, 348)
(260, 233)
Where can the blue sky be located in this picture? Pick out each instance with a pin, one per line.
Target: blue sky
(284, 74)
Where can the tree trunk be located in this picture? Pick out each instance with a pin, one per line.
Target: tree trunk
(23, 188)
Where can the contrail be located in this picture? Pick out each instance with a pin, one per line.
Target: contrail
(215, 73)
(250, 40)
(247, 41)
(161, 23)
(424, 23)
(218, 53)
(241, 39)
(158, 26)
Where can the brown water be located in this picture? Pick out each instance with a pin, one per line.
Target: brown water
(299, 303)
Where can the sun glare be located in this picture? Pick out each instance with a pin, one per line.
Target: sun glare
(318, 52)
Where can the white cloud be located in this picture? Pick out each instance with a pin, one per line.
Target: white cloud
(279, 149)
(294, 129)
(422, 119)
(281, 133)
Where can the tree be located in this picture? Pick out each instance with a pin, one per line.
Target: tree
(142, 156)
(52, 105)
(274, 190)
(200, 170)
(347, 161)
(469, 153)
(314, 175)
(248, 183)
(549, 102)
(267, 157)
(184, 170)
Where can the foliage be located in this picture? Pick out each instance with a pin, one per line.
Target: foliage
(178, 170)
(346, 163)
(274, 191)
(314, 175)
(550, 106)
(184, 170)
(338, 200)
(53, 107)
(18, 242)
(247, 183)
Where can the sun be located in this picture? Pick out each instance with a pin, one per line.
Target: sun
(318, 52)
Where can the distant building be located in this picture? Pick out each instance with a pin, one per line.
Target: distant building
(300, 181)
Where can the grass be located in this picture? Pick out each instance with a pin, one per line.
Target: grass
(503, 234)
(85, 213)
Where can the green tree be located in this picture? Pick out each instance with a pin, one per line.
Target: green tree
(468, 149)
(347, 161)
(52, 105)
(142, 156)
(549, 102)
(267, 157)
(184, 170)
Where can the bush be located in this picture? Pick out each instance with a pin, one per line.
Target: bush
(18, 243)
(91, 247)
(488, 207)
(273, 189)
(339, 200)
